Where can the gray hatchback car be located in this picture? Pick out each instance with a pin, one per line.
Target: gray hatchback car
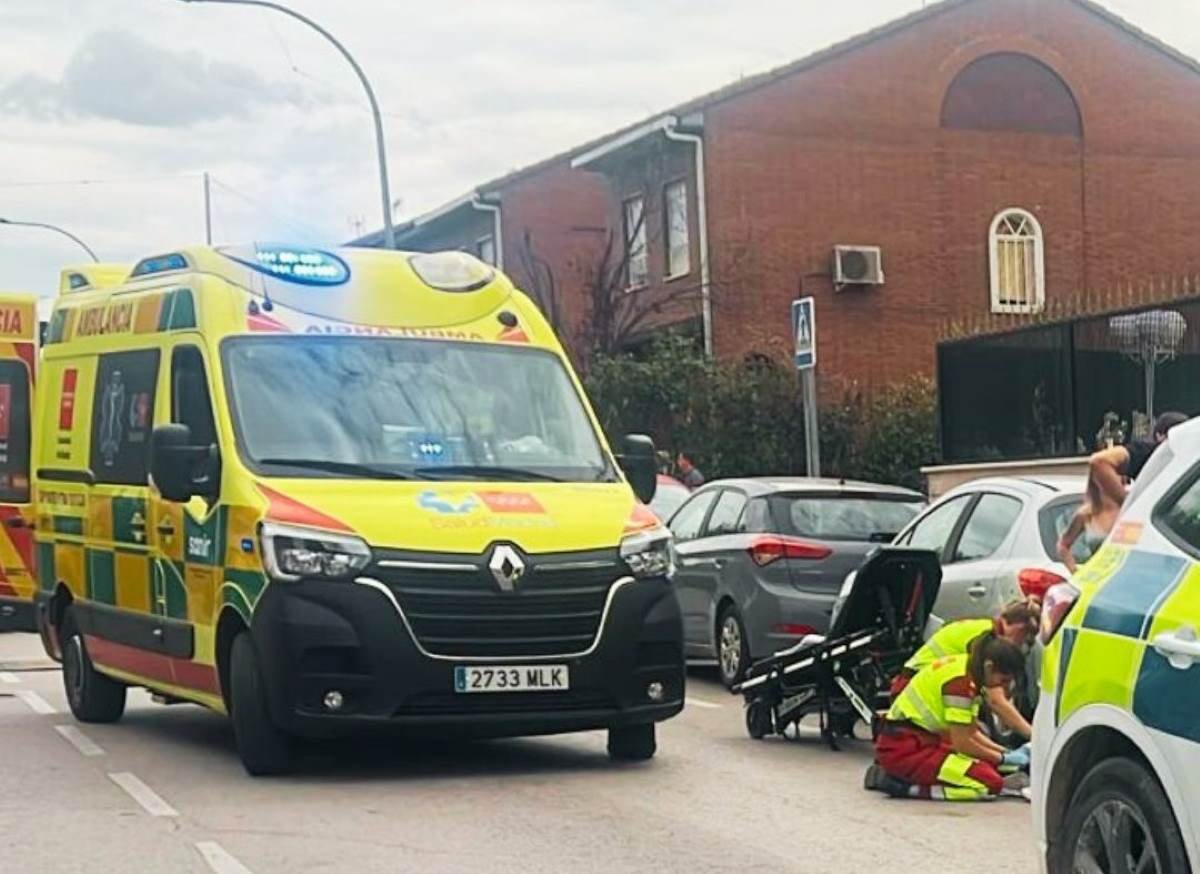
(761, 561)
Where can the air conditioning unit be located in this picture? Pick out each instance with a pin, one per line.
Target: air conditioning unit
(857, 265)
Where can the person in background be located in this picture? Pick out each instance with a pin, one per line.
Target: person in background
(1093, 521)
(1112, 468)
(1017, 623)
(931, 744)
(689, 474)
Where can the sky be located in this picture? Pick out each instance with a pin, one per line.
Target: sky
(112, 110)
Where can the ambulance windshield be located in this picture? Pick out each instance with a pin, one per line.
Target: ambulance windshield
(405, 408)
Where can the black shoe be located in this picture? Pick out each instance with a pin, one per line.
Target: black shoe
(874, 779)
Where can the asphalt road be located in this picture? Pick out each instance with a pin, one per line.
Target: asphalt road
(163, 791)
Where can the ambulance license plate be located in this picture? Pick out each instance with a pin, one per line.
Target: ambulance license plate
(512, 678)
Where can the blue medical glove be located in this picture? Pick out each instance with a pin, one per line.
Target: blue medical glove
(1018, 758)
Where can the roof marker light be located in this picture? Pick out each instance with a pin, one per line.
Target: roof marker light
(452, 271)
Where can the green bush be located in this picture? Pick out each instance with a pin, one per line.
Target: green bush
(744, 419)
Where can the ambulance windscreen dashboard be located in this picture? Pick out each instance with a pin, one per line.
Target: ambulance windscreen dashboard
(409, 408)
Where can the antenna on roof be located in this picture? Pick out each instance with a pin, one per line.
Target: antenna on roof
(253, 307)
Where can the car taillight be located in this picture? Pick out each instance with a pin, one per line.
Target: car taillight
(765, 550)
(792, 629)
(1035, 583)
(1057, 604)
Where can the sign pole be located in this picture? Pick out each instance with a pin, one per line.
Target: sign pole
(804, 334)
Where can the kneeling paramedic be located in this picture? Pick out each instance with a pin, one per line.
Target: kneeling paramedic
(931, 745)
(1017, 623)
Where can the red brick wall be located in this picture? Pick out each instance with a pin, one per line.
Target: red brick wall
(851, 151)
(565, 214)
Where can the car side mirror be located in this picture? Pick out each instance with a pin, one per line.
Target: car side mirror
(180, 468)
(640, 463)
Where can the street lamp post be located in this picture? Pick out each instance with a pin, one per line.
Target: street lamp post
(56, 229)
(389, 231)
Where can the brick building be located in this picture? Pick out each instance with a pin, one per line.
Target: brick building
(999, 159)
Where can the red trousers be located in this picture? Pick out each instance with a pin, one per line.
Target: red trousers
(931, 765)
(900, 682)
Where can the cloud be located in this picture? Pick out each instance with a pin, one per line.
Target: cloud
(118, 76)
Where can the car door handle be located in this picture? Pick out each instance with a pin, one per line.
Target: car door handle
(977, 591)
(16, 522)
(1181, 649)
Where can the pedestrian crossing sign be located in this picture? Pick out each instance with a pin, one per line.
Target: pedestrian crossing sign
(804, 333)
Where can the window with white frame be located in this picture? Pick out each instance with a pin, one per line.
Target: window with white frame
(485, 249)
(1017, 261)
(675, 208)
(638, 270)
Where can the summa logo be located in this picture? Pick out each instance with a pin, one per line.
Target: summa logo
(507, 567)
(199, 546)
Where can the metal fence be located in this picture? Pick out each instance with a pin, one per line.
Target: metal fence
(1059, 390)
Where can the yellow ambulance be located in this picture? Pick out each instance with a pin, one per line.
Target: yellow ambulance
(18, 369)
(336, 491)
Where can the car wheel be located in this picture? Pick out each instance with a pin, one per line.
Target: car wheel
(92, 696)
(263, 748)
(1120, 820)
(632, 743)
(733, 650)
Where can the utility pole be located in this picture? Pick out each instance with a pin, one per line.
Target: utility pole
(207, 210)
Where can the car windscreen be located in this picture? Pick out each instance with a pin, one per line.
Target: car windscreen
(1053, 520)
(390, 407)
(837, 516)
(668, 498)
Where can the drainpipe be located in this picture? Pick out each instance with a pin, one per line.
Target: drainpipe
(697, 141)
(477, 202)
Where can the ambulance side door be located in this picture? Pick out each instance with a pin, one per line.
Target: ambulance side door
(1166, 696)
(188, 540)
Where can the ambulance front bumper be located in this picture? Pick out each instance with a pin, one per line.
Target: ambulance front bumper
(315, 638)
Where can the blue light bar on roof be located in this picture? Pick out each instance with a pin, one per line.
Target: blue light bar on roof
(299, 264)
(159, 264)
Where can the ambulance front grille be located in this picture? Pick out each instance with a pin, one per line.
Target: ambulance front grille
(459, 610)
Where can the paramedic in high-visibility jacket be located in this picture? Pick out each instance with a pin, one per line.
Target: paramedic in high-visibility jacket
(1017, 623)
(931, 744)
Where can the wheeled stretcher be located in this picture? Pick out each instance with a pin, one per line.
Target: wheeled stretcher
(845, 675)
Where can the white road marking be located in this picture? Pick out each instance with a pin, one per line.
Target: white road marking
(150, 801)
(79, 740)
(699, 702)
(219, 859)
(36, 702)
(7, 677)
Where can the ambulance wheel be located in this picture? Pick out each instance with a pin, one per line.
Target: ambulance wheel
(632, 743)
(1120, 820)
(733, 650)
(92, 696)
(264, 749)
(759, 723)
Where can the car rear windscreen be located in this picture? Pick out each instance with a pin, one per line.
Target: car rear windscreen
(863, 518)
(1053, 520)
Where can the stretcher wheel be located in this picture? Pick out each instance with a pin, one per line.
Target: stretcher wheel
(759, 722)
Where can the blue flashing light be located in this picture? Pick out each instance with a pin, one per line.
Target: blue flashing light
(77, 281)
(298, 264)
(159, 264)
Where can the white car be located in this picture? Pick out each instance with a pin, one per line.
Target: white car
(1116, 749)
(997, 539)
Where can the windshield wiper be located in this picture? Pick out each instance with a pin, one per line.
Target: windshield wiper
(349, 468)
(487, 471)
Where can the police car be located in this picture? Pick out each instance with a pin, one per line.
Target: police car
(1116, 764)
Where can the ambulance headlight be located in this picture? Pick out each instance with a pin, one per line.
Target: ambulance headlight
(451, 271)
(291, 552)
(649, 553)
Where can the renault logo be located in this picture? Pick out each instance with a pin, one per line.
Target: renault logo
(507, 567)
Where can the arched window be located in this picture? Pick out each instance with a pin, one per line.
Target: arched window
(1017, 263)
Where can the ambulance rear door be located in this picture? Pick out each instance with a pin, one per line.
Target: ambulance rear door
(18, 371)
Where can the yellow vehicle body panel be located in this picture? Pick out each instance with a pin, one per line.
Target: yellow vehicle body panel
(18, 371)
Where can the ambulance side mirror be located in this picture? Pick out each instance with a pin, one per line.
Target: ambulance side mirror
(181, 469)
(640, 463)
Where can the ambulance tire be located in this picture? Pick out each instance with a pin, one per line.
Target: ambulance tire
(92, 696)
(632, 743)
(1124, 785)
(264, 749)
